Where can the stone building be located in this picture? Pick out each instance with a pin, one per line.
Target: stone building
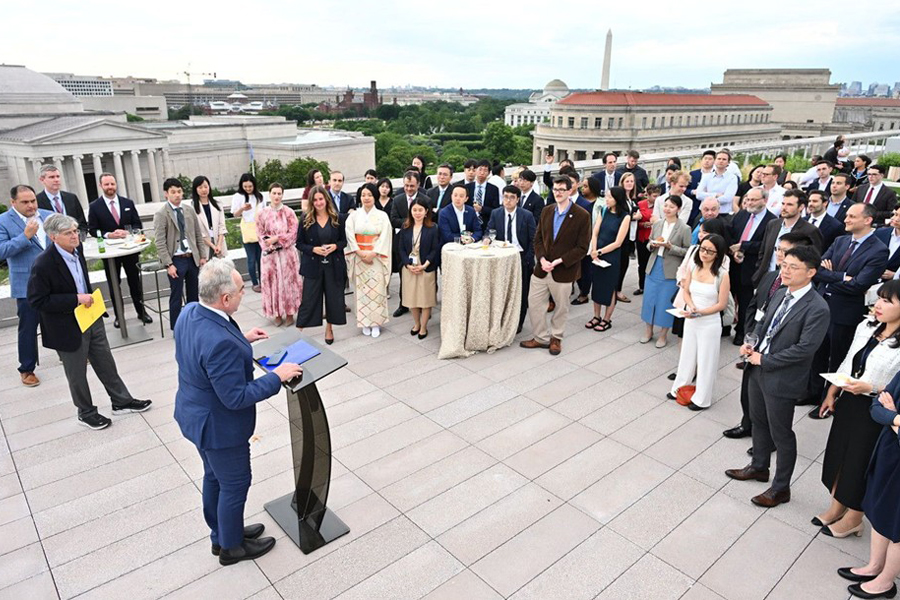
(875, 114)
(537, 109)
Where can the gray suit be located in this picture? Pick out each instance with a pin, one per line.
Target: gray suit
(680, 239)
(786, 364)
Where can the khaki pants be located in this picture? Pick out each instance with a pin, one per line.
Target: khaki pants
(538, 297)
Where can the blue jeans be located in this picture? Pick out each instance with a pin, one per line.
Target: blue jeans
(226, 479)
(28, 325)
(254, 252)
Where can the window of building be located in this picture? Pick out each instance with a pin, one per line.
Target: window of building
(718, 119)
(644, 123)
(680, 119)
(571, 122)
(620, 123)
(688, 121)
(580, 154)
(610, 122)
(704, 119)
(653, 123)
(598, 122)
(559, 121)
(584, 122)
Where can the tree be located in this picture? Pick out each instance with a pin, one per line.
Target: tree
(387, 112)
(133, 118)
(499, 141)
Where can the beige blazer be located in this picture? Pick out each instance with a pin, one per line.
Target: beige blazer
(680, 240)
(165, 231)
(218, 224)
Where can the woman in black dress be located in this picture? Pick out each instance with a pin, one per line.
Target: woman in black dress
(872, 360)
(321, 240)
(876, 578)
(609, 233)
(384, 202)
(629, 184)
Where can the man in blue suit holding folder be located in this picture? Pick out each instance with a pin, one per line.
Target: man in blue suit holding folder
(215, 406)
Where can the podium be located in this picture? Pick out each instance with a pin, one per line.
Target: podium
(303, 513)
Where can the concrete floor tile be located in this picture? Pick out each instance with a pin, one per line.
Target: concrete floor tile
(470, 405)
(496, 419)
(652, 426)
(620, 412)
(648, 578)
(814, 575)
(681, 445)
(17, 534)
(39, 586)
(618, 490)
(585, 468)
(410, 459)
(540, 457)
(386, 442)
(465, 585)
(22, 564)
(13, 508)
(236, 581)
(526, 432)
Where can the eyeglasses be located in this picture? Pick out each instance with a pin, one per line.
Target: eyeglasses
(708, 251)
(560, 190)
(792, 268)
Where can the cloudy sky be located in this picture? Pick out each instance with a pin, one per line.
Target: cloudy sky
(465, 43)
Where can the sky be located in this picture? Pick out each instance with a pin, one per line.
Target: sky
(468, 44)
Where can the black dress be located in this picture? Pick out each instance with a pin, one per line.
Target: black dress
(851, 440)
(883, 486)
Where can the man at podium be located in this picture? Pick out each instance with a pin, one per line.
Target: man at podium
(215, 406)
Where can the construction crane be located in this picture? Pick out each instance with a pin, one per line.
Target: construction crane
(188, 74)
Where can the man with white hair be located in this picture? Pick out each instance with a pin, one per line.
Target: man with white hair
(215, 406)
(58, 284)
(709, 210)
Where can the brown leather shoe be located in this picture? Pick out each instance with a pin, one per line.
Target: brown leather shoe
(770, 498)
(533, 343)
(748, 473)
(551, 307)
(30, 379)
(555, 346)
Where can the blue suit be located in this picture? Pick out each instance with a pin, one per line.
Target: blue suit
(831, 229)
(448, 225)
(215, 407)
(846, 299)
(884, 234)
(525, 231)
(19, 253)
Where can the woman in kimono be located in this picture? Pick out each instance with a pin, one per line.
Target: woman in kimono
(276, 225)
(369, 236)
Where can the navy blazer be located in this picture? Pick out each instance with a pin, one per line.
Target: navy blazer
(311, 263)
(533, 203)
(884, 234)
(437, 203)
(753, 246)
(449, 226)
(429, 247)
(71, 204)
(215, 405)
(345, 204)
(831, 229)
(52, 292)
(846, 299)
(814, 186)
(490, 201)
(526, 227)
(842, 210)
(601, 177)
(100, 218)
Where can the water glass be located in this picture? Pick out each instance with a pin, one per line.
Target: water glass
(751, 339)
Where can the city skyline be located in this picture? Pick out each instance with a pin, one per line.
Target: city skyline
(163, 39)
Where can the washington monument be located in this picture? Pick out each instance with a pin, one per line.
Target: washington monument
(604, 81)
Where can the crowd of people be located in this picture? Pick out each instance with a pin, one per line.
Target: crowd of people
(800, 270)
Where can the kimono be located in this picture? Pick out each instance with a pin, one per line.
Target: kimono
(370, 231)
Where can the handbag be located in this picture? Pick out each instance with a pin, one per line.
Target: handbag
(248, 232)
(684, 394)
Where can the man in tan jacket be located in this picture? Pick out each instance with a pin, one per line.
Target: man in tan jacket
(179, 244)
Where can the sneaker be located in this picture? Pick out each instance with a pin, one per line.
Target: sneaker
(95, 421)
(376, 331)
(367, 331)
(135, 406)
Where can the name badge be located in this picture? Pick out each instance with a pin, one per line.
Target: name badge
(760, 315)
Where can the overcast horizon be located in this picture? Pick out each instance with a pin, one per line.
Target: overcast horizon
(659, 47)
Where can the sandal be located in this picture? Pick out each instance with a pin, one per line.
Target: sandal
(593, 323)
(603, 325)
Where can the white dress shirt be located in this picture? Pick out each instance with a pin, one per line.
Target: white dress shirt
(514, 240)
(775, 199)
(460, 216)
(894, 243)
(39, 235)
(795, 297)
(684, 212)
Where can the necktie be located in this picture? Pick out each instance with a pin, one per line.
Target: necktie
(868, 199)
(746, 234)
(812, 221)
(479, 194)
(179, 213)
(233, 322)
(782, 310)
(113, 211)
(409, 202)
(440, 197)
(58, 205)
(775, 285)
(509, 228)
(846, 257)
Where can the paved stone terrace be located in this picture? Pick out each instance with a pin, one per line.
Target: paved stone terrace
(514, 474)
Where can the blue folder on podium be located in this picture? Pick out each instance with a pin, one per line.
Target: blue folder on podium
(297, 353)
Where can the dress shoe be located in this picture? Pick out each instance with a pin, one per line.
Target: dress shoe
(146, 319)
(257, 288)
(748, 473)
(670, 396)
(551, 307)
(637, 292)
(696, 407)
(856, 590)
(248, 550)
(737, 341)
(661, 343)
(251, 532)
(771, 498)
(857, 531)
(533, 343)
(329, 341)
(807, 402)
(645, 339)
(814, 414)
(820, 523)
(736, 433)
(346, 309)
(740, 365)
(848, 574)
(555, 346)
(30, 379)
(116, 323)
(671, 377)
(401, 310)
(135, 406)
(580, 300)
(622, 298)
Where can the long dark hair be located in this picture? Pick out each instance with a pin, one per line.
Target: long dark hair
(249, 177)
(426, 222)
(889, 291)
(309, 217)
(378, 185)
(721, 248)
(620, 196)
(311, 177)
(195, 197)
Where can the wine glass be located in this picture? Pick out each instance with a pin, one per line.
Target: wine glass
(324, 258)
(492, 234)
(751, 339)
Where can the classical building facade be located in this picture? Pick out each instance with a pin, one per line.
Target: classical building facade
(42, 123)
(584, 125)
(875, 114)
(537, 109)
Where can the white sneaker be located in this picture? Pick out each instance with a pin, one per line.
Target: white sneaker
(376, 331)
(367, 331)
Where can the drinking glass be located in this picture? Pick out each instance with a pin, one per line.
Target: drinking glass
(492, 234)
(324, 259)
(456, 239)
(751, 339)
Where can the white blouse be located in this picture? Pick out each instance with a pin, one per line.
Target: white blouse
(883, 362)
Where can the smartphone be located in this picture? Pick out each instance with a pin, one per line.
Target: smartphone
(275, 359)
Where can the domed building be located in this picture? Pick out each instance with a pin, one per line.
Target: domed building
(537, 109)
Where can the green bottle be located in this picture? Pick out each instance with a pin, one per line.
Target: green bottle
(101, 243)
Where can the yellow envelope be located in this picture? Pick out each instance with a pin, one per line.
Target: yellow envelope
(86, 316)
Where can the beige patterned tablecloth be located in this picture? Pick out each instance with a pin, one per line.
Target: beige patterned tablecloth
(481, 292)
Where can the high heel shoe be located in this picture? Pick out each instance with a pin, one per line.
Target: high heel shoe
(820, 523)
(857, 531)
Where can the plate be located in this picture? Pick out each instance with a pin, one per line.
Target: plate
(838, 379)
(115, 242)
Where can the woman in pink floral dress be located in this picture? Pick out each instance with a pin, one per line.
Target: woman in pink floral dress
(276, 225)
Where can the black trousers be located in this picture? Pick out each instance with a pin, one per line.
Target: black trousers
(829, 357)
(746, 423)
(643, 257)
(744, 296)
(624, 259)
(133, 274)
(584, 282)
(185, 283)
(327, 288)
(527, 270)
